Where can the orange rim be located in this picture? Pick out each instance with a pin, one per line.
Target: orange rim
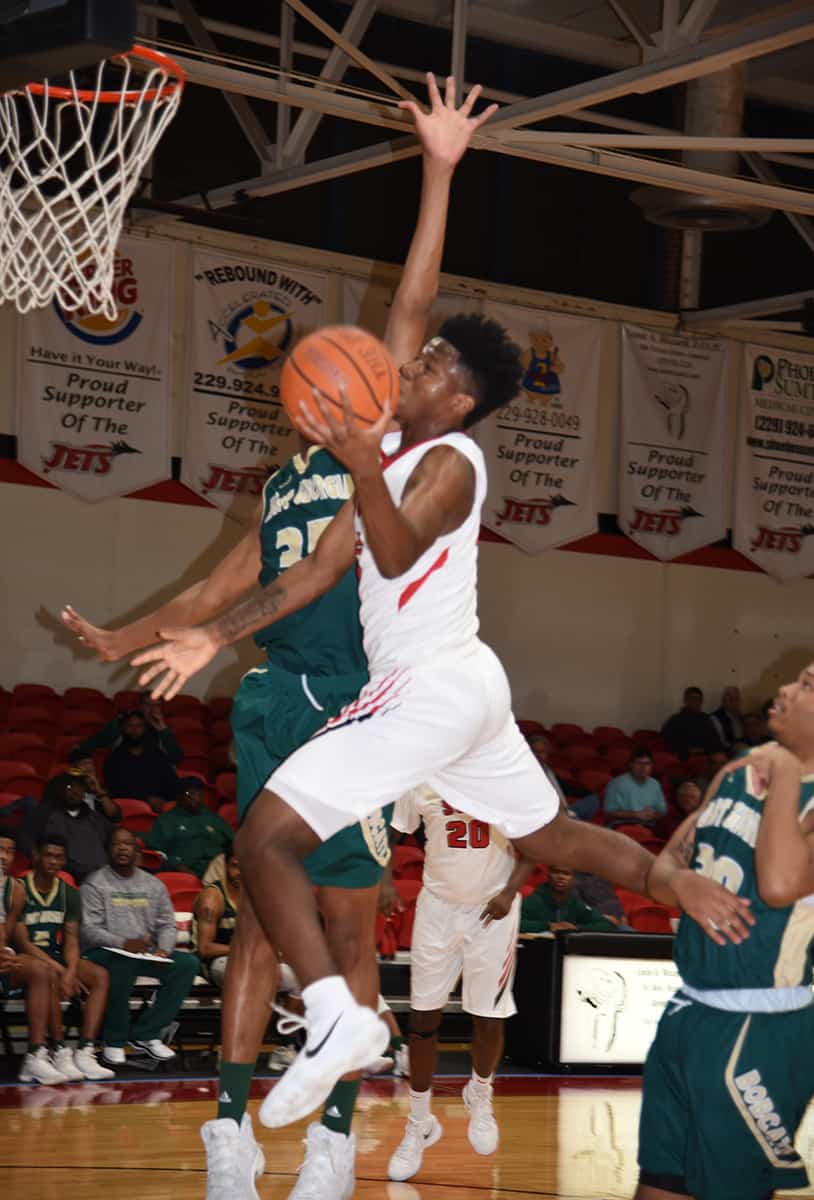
(151, 57)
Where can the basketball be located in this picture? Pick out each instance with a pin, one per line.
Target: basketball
(333, 358)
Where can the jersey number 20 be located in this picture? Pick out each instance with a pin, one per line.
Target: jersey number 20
(463, 834)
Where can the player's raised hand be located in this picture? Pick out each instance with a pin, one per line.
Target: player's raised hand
(446, 131)
(723, 916)
(103, 642)
(354, 444)
(182, 654)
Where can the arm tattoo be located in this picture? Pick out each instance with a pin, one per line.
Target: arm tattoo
(255, 612)
(684, 848)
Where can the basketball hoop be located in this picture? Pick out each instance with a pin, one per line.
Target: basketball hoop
(70, 161)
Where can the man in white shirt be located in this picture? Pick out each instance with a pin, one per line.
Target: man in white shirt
(466, 921)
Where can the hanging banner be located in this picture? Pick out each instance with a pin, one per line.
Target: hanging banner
(541, 450)
(672, 460)
(93, 395)
(774, 480)
(245, 316)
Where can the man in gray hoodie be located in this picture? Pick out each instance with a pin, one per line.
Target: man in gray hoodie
(127, 914)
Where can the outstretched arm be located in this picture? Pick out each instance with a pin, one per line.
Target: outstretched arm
(184, 652)
(444, 133)
(233, 576)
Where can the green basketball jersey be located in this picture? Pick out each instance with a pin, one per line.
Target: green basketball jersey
(299, 503)
(44, 916)
(777, 952)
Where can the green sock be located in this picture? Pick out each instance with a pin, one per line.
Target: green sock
(233, 1091)
(338, 1111)
(397, 1042)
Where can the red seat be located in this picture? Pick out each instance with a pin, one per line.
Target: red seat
(226, 785)
(78, 697)
(183, 705)
(530, 728)
(20, 865)
(595, 780)
(229, 814)
(651, 918)
(220, 733)
(31, 693)
(183, 888)
(618, 757)
(408, 890)
(77, 720)
(10, 743)
(664, 762)
(13, 768)
(563, 734)
(577, 755)
(194, 765)
(39, 758)
(124, 701)
(607, 735)
(151, 860)
(137, 816)
(10, 819)
(68, 877)
(696, 765)
(220, 760)
(647, 737)
(25, 785)
(194, 744)
(219, 708)
(639, 833)
(408, 862)
(189, 725)
(45, 729)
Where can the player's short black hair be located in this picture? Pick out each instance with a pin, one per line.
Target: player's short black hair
(490, 356)
(7, 834)
(641, 752)
(692, 690)
(78, 755)
(51, 839)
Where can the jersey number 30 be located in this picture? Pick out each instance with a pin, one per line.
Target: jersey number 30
(723, 870)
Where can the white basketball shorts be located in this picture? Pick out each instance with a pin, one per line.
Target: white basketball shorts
(450, 939)
(447, 723)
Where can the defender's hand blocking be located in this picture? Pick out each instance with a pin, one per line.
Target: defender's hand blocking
(446, 131)
(102, 641)
(356, 446)
(723, 916)
(182, 654)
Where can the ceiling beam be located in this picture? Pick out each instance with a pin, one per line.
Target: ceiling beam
(686, 62)
(749, 308)
(353, 31)
(457, 68)
(631, 24)
(286, 64)
(242, 111)
(361, 59)
(647, 142)
(804, 226)
(696, 19)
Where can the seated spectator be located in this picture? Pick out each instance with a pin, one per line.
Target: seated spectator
(125, 909)
(728, 719)
(215, 912)
(189, 835)
(157, 732)
(68, 816)
(716, 760)
(599, 895)
(690, 730)
(687, 798)
(579, 800)
(35, 979)
(755, 731)
(137, 769)
(47, 916)
(554, 907)
(635, 798)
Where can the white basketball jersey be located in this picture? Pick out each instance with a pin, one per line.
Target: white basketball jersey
(465, 861)
(432, 608)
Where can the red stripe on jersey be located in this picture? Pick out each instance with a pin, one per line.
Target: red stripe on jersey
(411, 589)
(364, 702)
(507, 967)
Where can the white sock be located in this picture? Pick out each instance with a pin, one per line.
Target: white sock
(326, 996)
(420, 1105)
(479, 1081)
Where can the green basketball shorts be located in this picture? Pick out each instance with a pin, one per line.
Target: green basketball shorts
(273, 714)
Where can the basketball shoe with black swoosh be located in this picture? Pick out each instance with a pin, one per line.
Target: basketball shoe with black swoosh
(340, 1041)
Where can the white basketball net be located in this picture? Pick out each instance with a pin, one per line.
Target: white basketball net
(68, 169)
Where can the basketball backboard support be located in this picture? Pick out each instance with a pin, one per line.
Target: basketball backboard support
(40, 39)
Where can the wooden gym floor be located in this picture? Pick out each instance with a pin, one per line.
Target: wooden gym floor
(564, 1139)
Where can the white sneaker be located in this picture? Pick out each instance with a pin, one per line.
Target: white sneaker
(282, 1058)
(382, 1064)
(114, 1055)
(401, 1067)
(482, 1132)
(234, 1161)
(418, 1137)
(38, 1068)
(335, 1047)
(155, 1048)
(327, 1171)
(64, 1063)
(88, 1065)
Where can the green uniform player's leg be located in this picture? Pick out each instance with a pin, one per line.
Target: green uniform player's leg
(724, 1094)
